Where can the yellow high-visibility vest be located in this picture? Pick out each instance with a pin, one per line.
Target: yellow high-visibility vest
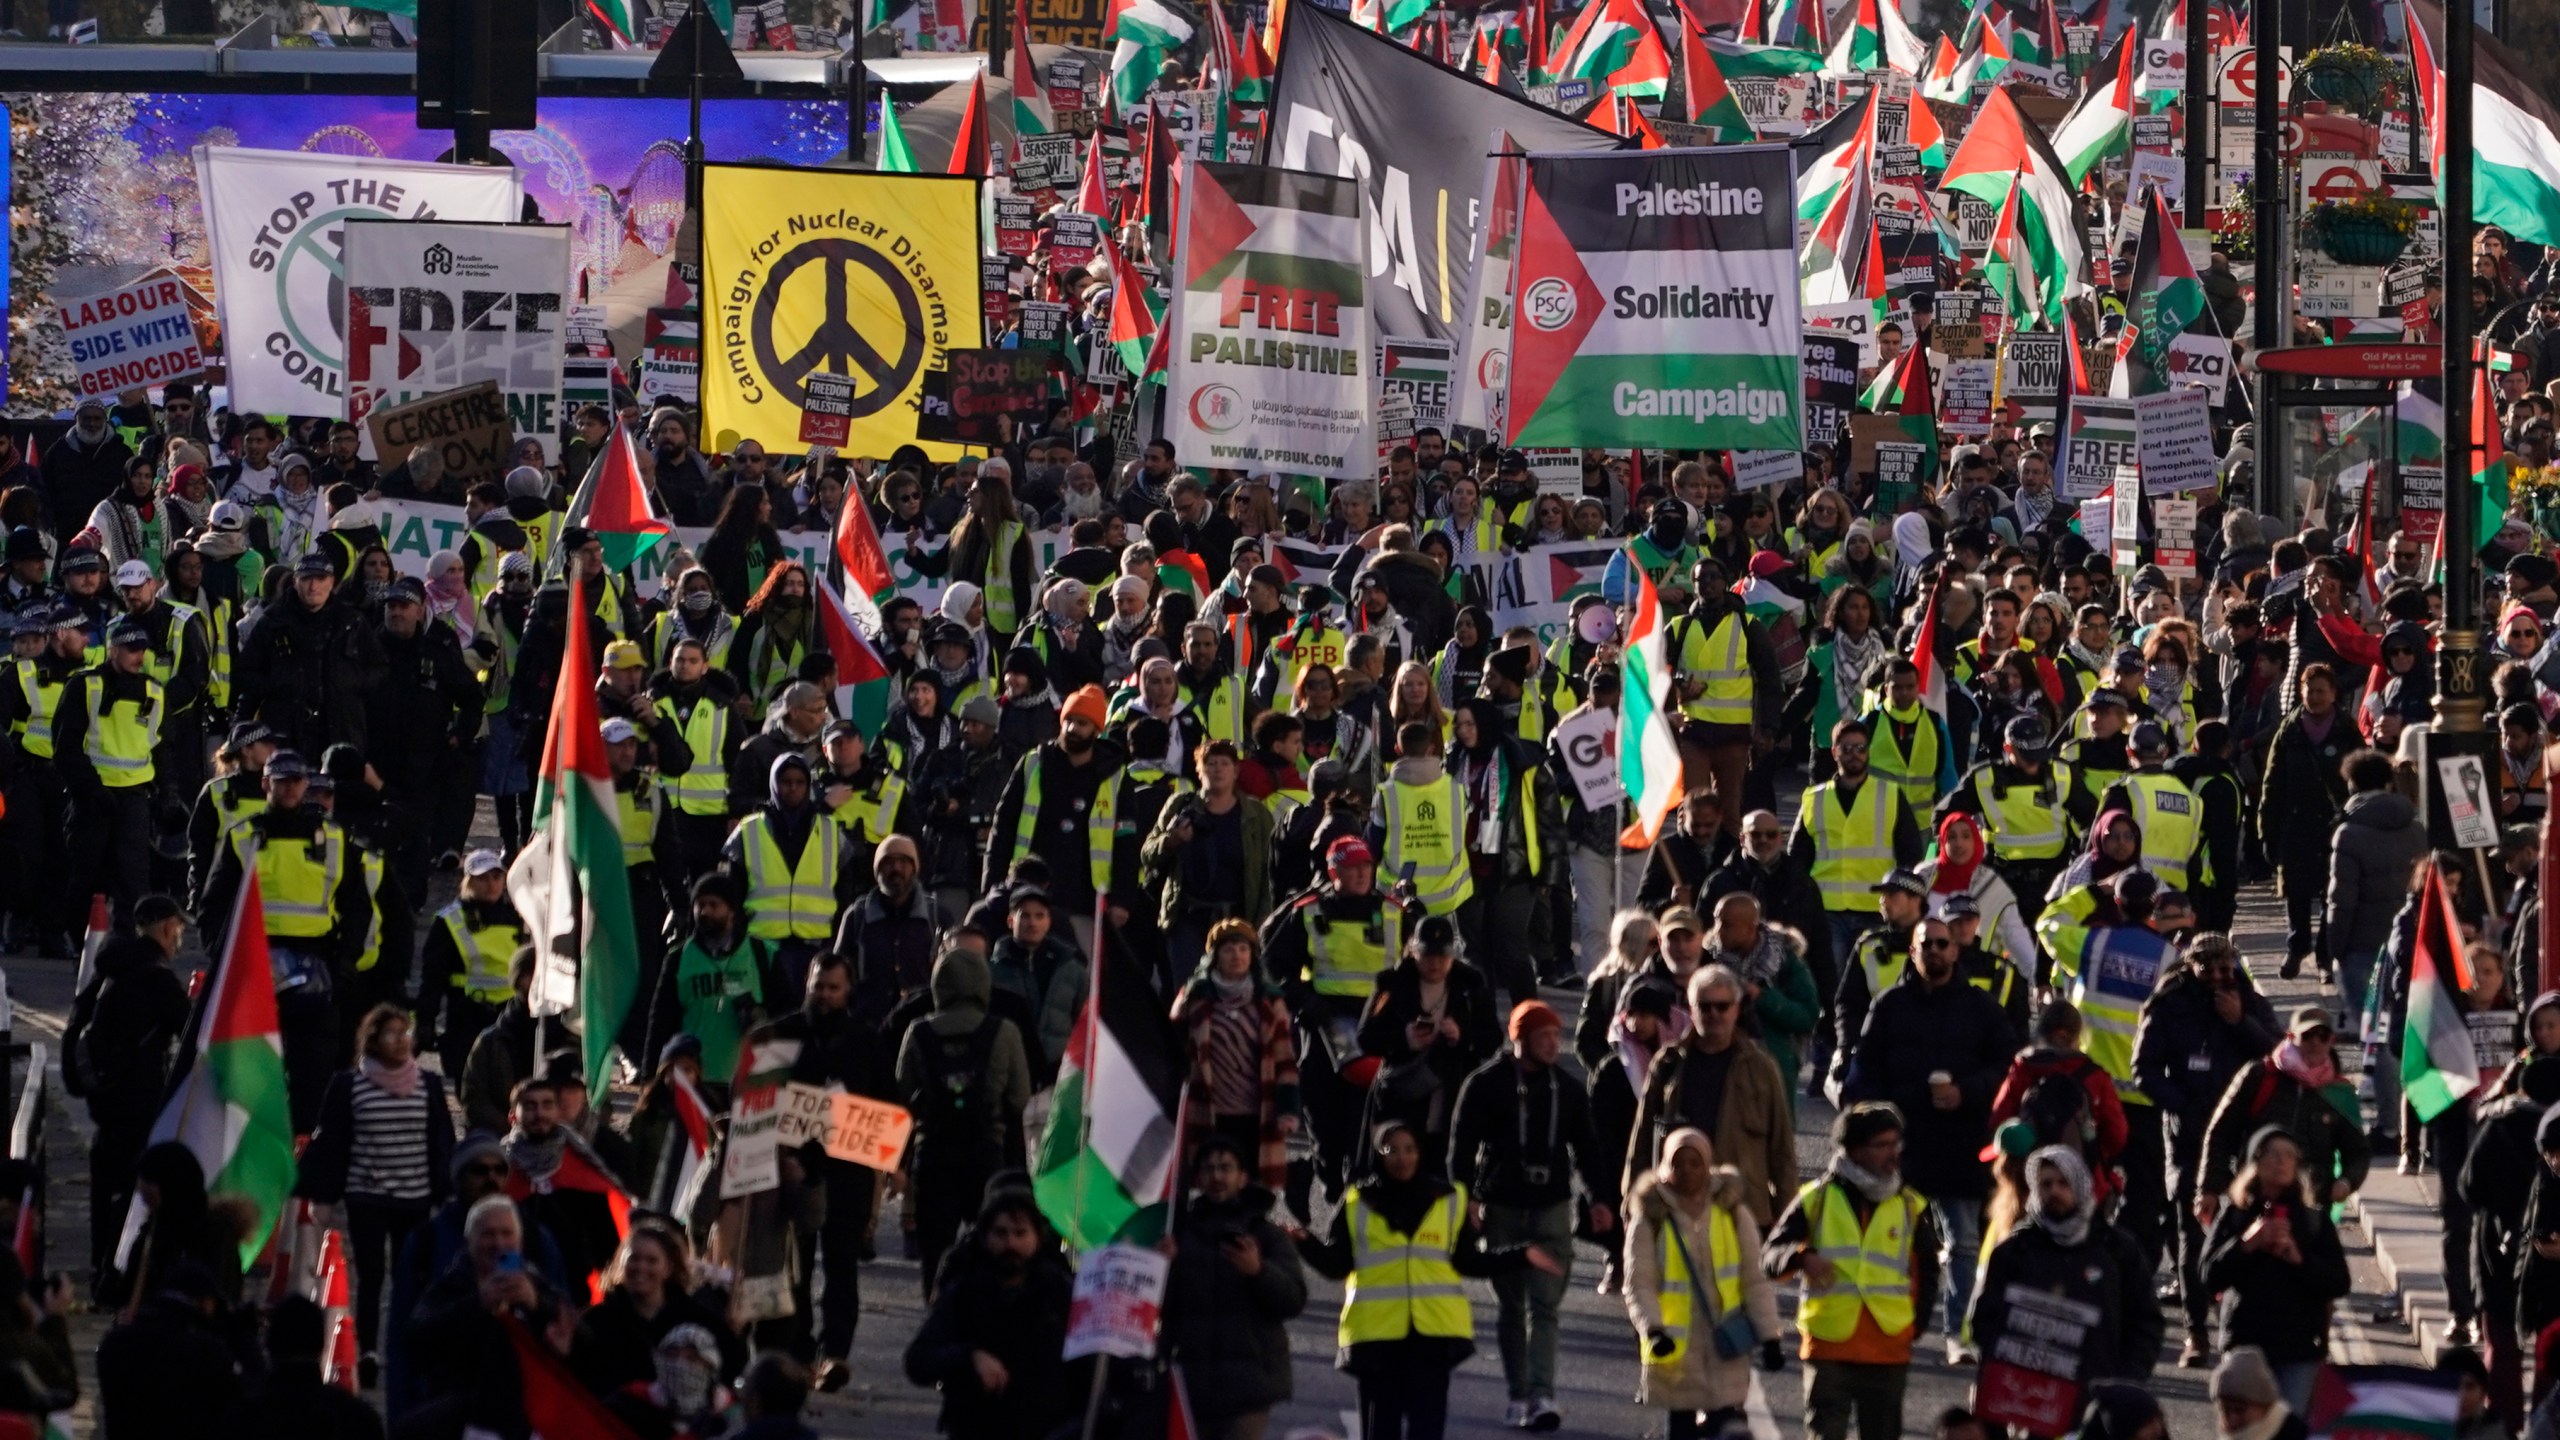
(487, 951)
(790, 902)
(1872, 1267)
(371, 954)
(639, 808)
(1404, 1285)
(873, 818)
(1426, 832)
(702, 789)
(1914, 773)
(1344, 958)
(1721, 658)
(121, 735)
(996, 586)
(299, 887)
(35, 733)
(2168, 813)
(1724, 1261)
(2025, 822)
(1852, 845)
(1102, 827)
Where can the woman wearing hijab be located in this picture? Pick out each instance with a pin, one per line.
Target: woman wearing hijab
(2541, 1039)
(2082, 897)
(295, 512)
(1960, 870)
(1402, 1231)
(449, 595)
(2064, 1262)
(132, 524)
(1701, 1306)
(964, 605)
(2274, 1252)
(1458, 672)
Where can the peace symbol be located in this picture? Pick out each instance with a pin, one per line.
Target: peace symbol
(834, 344)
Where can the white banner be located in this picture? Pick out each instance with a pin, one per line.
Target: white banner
(435, 305)
(274, 220)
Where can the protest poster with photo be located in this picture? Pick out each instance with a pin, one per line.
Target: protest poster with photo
(2101, 450)
(273, 221)
(1271, 342)
(1659, 303)
(435, 305)
(131, 339)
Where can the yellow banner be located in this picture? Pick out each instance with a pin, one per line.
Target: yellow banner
(842, 272)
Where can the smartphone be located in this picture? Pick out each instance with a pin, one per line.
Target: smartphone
(511, 1263)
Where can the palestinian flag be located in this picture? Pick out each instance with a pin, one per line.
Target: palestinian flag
(2003, 152)
(1250, 84)
(1485, 63)
(2027, 42)
(1533, 38)
(581, 1171)
(1142, 35)
(2494, 473)
(1093, 195)
(1399, 14)
(2437, 1064)
(859, 558)
(1648, 750)
(1843, 258)
(101, 929)
(2384, 1402)
(1923, 133)
(1753, 28)
(1878, 38)
(1031, 112)
(1940, 82)
(684, 1172)
(1133, 313)
(970, 147)
(2012, 275)
(2101, 124)
(862, 677)
(2167, 296)
(2515, 133)
(1573, 571)
(1924, 658)
(568, 882)
(1741, 60)
(229, 1106)
(614, 15)
(1615, 44)
(1985, 58)
(897, 157)
(1902, 388)
(557, 1404)
(613, 503)
(1842, 150)
(2075, 364)
(1109, 1157)
(1711, 102)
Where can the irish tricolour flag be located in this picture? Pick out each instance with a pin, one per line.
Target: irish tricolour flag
(568, 882)
(2438, 1067)
(1648, 751)
(229, 1107)
(2515, 133)
(1107, 1160)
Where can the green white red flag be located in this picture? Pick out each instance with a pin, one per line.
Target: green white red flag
(1614, 43)
(1648, 751)
(1107, 1162)
(1711, 101)
(1878, 38)
(2003, 151)
(2515, 132)
(568, 882)
(2101, 124)
(2438, 1066)
(1031, 112)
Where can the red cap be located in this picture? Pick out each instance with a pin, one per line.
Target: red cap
(1349, 850)
(1767, 563)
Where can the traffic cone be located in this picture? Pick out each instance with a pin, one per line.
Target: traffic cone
(92, 942)
(342, 1320)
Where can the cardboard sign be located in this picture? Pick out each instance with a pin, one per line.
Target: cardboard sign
(1957, 332)
(1118, 1300)
(826, 416)
(963, 404)
(1558, 472)
(2174, 431)
(1588, 741)
(133, 338)
(470, 427)
(867, 1132)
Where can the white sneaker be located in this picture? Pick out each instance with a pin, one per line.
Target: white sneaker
(1959, 1353)
(1516, 1415)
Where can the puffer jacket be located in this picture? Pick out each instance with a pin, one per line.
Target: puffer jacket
(1230, 1331)
(2377, 842)
(1700, 1381)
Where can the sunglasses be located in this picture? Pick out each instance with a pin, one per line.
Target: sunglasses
(1937, 944)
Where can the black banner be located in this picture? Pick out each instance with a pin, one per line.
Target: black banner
(1348, 102)
(963, 403)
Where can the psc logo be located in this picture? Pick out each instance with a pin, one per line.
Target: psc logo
(1548, 304)
(1217, 409)
(437, 261)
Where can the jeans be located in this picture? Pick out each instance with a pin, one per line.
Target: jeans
(2293, 1382)
(1833, 1389)
(1408, 1403)
(2357, 971)
(1526, 1326)
(1600, 890)
(375, 1230)
(1846, 927)
(1494, 923)
(1959, 1254)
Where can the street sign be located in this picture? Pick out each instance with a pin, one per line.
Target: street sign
(2352, 362)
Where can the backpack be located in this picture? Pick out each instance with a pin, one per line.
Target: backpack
(948, 1108)
(2057, 1110)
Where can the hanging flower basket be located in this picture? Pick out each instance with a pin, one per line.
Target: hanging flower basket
(2370, 230)
(2349, 76)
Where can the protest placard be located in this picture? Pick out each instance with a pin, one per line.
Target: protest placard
(1118, 1299)
(1588, 741)
(2173, 539)
(752, 1161)
(826, 415)
(1964, 396)
(133, 338)
(469, 427)
(1074, 237)
(2467, 801)
(1017, 225)
(1044, 324)
(1046, 162)
(964, 403)
(1899, 467)
(2030, 1375)
(2031, 374)
(1558, 472)
(1758, 469)
(2175, 433)
(1420, 369)
(2101, 448)
(2124, 526)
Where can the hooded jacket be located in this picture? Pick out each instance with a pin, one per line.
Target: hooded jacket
(961, 989)
(1228, 1330)
(2103, 1269)
(2378, 841)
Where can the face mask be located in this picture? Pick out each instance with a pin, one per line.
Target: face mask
(688, 1383)
(700, 603)
(1597, 625)
(1668, 531)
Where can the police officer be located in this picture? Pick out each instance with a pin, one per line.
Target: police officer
(1876, 960)
(1851, 831)
(1326, 949)
(2168, 812)
(311, 884)
(182, 661)
(226, 801)
(697, 698)
(2097, 760)
(463, 971)
(106, 737)
(47, 908)
(2018, 796)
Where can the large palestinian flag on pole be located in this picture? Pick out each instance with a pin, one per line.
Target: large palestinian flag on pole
(2438, 1065)
(2011, 274)
(1656, 302)
(1269, 330)
(2167, 296)
(2101, 124)
(1648, 752)
(1615, 44)
(568, 882)
(613, 503)
(229, 1106)
(2004, 150)
(1878, 38)
(1109, 1156)
(2515, 132)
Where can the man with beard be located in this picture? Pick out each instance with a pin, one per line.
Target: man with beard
(861, 793)
(1867, 1247)
(252, 473)
(1062, 805)
(793, 865)
(1211, 683)
(840, 1054)
(889, 935)
(683, 477)
(992, 1341)
(82, 468)
(558, 1183)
